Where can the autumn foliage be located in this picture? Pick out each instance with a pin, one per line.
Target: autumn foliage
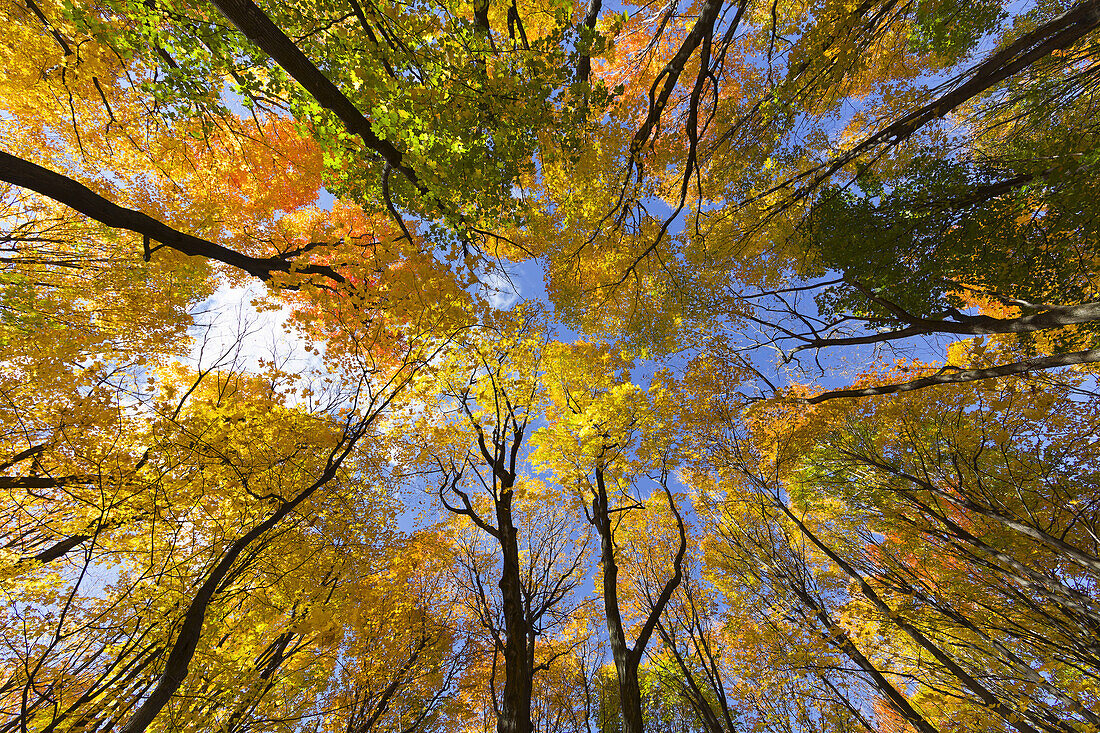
(444, 366)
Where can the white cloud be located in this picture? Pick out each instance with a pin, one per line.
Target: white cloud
(500, 288)
(230, 330)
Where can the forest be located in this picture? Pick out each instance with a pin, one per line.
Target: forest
(550, 366)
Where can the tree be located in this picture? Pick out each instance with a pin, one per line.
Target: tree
(169, 461)
(818, 250)
(408, 647)
(792, 168)
(491, 390)
(111, 445)
(604, 438)
(931, 509)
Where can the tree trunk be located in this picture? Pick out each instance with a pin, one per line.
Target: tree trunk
(515, 707)
(626, 661)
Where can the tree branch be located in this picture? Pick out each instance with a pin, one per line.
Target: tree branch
(258, 28)
(953, 375)
(76, 195)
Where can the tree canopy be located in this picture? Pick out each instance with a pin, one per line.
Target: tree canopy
(441, 366)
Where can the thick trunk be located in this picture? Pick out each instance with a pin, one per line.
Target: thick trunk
(626, 661)
(584, 65)
(630, 696)
(515, 704)
(514, 710)
(628, 657)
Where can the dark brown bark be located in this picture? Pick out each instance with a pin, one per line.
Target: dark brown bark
(666, 81)
(77, 196)
(515, 703)
(61, 41)
(61, 548)
(21, 456)
(584, 65)
(958, 376)
(43, 482)
(518, 655)
(187, 640)
(258, 28)
(500, 453)
(628, 657)
(626, 666)
(1055, 316)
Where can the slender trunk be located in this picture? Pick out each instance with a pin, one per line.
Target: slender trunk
(187, 640)
(251, 20)
(1011, 716)
(837, 637)
(964, 501)
(1072, 603)
(626, 662)
(691, 689)
(786, 569)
